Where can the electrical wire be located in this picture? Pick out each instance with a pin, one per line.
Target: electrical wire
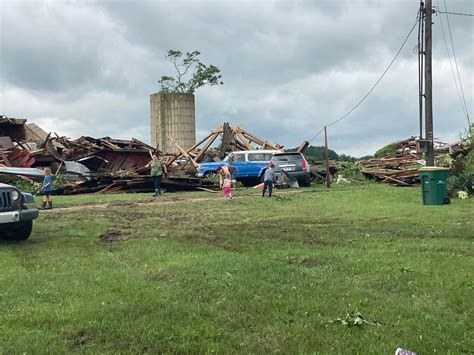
(373, 86)
(316, 135)
(456, 13)
(456, 63)
(451, 64)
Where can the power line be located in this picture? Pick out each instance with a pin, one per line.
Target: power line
(455, 13)
(316, 135)
(451, 64)
(456, 62)
(376, 83)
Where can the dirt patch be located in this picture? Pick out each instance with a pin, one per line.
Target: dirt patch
(126, 203)
(112, 235)
(162, 201)
(315, 240)
(76, 339)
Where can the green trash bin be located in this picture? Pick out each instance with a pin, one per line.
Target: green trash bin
(433, 185)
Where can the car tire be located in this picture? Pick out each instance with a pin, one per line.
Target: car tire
(19, 231)
(306, 181)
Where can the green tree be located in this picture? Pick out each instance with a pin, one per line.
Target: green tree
(191, 73)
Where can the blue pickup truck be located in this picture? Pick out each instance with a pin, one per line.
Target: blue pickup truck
(250, 164)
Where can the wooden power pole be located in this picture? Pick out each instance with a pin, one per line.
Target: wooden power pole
(428, 84)
(326, 156)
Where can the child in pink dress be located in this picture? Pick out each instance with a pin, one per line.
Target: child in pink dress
(226, 185)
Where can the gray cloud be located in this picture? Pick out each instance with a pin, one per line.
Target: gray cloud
(289, 67)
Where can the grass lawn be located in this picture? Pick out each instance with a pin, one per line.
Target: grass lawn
(251, 275)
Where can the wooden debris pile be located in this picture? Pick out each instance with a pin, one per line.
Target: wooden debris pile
(90, 165)
(400, 168)
(185, 162)
(396, 170)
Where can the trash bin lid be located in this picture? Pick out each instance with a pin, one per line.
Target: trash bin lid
(433, 168)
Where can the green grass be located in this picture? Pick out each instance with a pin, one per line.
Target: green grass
(250, 275)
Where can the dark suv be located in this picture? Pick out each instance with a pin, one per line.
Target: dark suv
(16, 220)
(293, 164)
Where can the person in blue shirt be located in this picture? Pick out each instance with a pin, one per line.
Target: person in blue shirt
(47, 189)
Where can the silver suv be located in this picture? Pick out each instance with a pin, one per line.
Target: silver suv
(293, 164)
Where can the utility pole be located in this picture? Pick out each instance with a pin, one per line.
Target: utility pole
(326, 156)
(428, 85)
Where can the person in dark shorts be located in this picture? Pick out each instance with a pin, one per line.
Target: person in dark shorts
(46, 189)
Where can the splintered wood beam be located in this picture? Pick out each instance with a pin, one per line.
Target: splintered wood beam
(170, 160)
(184, 153)
(303, 147)
(244, 140)
(238, 146)
(215, 130)
(254, 139)
(396, 180)
(260, 141)
(190, 150)
(219, 129)
(206, 147)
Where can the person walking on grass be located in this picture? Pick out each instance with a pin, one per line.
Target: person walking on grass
(156, 171)
(268, 180)
(46, 189)
(227, 187)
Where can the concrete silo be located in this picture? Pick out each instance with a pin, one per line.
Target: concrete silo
(172, 116)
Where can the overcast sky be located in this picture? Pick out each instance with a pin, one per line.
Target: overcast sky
(289, 67)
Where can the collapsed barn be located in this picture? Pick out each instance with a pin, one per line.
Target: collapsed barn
(99, 165)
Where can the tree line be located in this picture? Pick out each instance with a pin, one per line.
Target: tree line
(317, 153)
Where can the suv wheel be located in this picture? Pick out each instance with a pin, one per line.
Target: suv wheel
(306, 181)
(20, 231)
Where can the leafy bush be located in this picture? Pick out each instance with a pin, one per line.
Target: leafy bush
(212, 178)
(445, 160)
(460, 182)
(350, 170)
(389, 149)
(461, 174)
(58, 181)
(25, 186)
